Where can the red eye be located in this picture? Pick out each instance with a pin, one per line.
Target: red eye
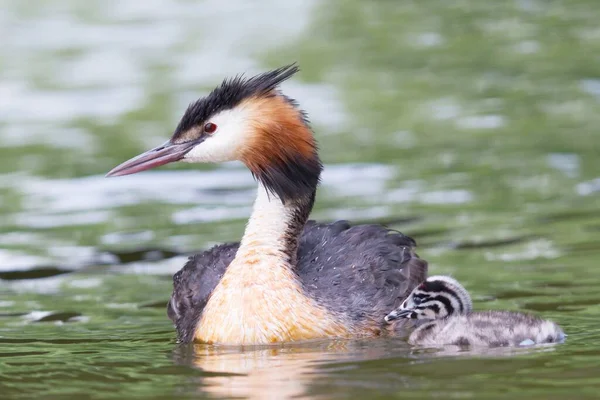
(209, 127)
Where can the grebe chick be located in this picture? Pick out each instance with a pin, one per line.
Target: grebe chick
(287, 279)
(447, 306)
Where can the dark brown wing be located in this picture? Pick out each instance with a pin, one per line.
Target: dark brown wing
(361, 271)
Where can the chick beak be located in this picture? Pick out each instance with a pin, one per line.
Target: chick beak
(161, 155)
(397, 314)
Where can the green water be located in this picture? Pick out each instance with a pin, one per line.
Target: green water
(470, 125)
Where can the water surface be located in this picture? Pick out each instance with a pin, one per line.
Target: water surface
(471, 126)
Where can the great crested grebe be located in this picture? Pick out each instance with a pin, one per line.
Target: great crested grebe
(447, 306)
(287, 279)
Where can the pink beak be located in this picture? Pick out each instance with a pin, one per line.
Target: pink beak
(161, 155)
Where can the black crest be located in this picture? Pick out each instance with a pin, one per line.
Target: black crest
(231, 93)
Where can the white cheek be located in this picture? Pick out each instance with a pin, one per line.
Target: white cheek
(224, 144)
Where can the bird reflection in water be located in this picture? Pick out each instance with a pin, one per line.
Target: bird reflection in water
(281, 372)
(295, 370)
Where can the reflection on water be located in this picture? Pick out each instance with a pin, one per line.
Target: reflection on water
(292, 371)
(471, 126)
(283, 372)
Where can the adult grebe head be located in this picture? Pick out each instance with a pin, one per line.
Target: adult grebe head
(250, 120)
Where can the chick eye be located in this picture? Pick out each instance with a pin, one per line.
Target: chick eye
(209, 127)
(417, 300)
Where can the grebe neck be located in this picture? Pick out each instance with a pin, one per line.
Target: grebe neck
(260, 299)
(274, 228)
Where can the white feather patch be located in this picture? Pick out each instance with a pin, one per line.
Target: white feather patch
(232, 134)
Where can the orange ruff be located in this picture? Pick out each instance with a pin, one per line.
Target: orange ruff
(278, 133)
